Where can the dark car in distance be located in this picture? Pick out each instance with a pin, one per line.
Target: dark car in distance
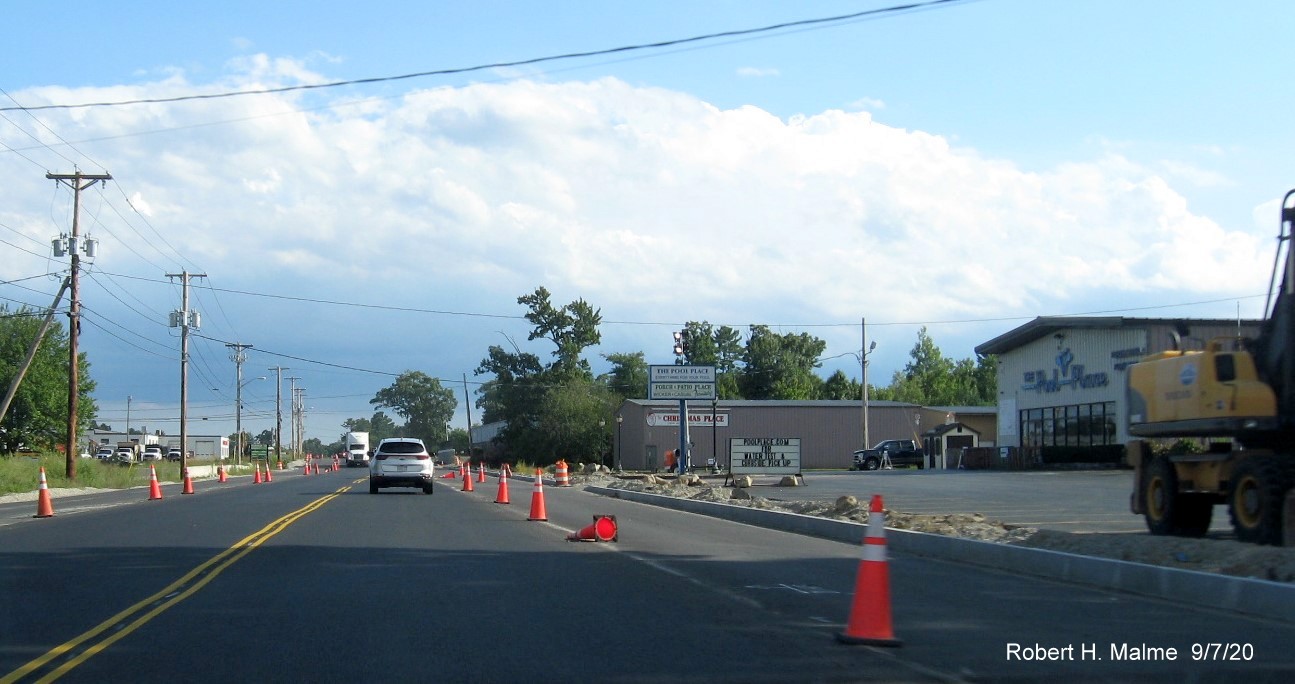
(901, 452)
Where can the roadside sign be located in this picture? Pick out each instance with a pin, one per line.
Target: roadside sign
(681, 390)
(681, 382)
(694, 419)
(764, 455)
(681, 374)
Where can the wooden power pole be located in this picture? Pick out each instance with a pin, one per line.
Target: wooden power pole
(77, 181)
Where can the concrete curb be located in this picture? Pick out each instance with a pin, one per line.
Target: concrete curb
(1275, 600)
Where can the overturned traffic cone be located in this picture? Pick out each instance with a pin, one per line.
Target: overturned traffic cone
(220, 473)
(256, 479)
(870, 614)
(537, 498)
(154, 489)
(481, 472)
(188, 483)
(467, 481)
(603, 529)
(45, 507)
(502, 496)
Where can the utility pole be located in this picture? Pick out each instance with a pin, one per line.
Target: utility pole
(863, 363)
(238, 357)
(278, 412)
(301, 420)
(184, 319)
(77, 181)
(467, 403)
(292, 414)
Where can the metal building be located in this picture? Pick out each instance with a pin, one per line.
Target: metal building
(829, 431)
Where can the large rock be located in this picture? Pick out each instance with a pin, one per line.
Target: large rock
(845, 504)
(742, 481)
(740, 494)
(789, 481)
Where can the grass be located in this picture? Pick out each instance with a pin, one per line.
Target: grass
(22, 473)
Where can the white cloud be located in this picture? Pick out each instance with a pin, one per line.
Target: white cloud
(757, 72)
(867, 104)
(652, 204)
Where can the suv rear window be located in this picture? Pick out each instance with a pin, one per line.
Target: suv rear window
(402, 448)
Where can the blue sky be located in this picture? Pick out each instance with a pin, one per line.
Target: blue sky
(966, 167)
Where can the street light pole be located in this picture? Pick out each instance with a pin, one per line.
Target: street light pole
(620, 422)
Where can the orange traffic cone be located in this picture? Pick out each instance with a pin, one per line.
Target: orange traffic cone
(603, 529)
(502, 496)
(154, 490)
(188, 483)
(305, 470)
(256, 479)
(467, 481)
(481, 472)
(537, 498)
(870, 615)
(220, 473)
(44, 507)
(268, 477)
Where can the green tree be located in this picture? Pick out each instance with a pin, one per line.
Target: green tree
(931, 379)
(313, 446)
(628, 377)
(781, 366)
(839, 386)
(576, 421)
(37, 416)
(520, 393)
(716, 346)
(381, 426)
(422, 402)
(266, 437)
(571, 329)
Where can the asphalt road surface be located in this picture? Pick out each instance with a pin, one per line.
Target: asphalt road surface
(310, 578)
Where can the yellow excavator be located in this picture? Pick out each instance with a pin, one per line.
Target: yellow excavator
(1237, 394)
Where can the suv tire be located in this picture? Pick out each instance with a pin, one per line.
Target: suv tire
(373, 486)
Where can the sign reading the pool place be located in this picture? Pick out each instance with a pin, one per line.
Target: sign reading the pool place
(764, 455)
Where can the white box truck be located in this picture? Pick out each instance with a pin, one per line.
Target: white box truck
(357, 449)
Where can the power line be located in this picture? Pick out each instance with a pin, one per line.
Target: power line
(842, 18)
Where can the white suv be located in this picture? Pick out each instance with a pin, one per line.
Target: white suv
(400, 462)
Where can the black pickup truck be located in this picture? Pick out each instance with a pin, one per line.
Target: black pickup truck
(902, 452)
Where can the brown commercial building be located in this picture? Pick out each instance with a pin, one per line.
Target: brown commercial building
(829, 431)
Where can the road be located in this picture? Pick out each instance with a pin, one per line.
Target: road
(312, 578)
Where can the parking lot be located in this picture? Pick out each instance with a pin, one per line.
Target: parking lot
(1070, 501)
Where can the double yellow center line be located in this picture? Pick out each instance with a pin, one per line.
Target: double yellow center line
(83, 647)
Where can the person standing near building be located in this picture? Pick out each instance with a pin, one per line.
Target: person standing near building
(669, 460)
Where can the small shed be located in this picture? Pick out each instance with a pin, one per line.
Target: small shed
(941, 439)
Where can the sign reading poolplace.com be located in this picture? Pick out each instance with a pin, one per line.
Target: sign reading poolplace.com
(764, 455)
